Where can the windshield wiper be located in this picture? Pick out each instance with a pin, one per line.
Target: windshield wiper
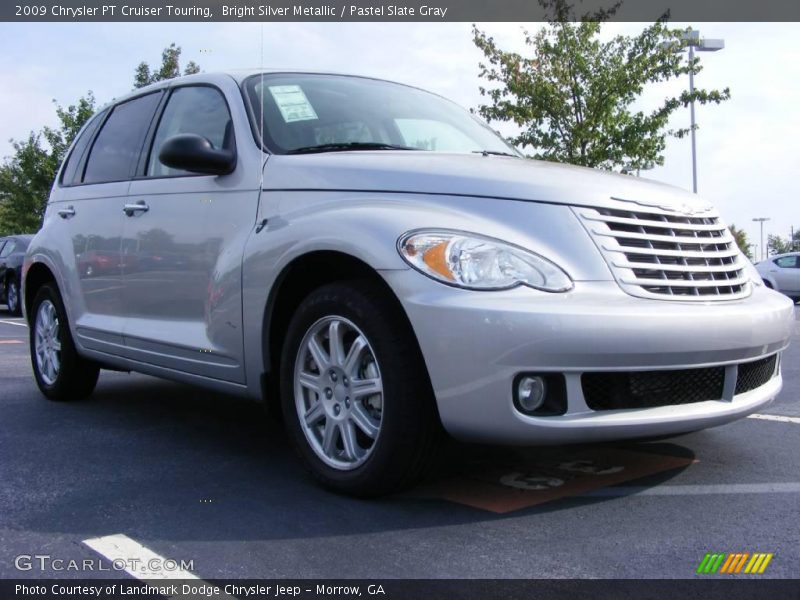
(494, 153)
(345, 146)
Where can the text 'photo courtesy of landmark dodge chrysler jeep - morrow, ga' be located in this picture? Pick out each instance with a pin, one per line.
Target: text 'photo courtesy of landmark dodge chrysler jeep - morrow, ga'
(384, 266)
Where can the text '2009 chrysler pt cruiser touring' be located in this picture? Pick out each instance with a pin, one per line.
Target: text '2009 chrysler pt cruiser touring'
(385, 264)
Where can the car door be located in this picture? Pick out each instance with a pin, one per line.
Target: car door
(787, 275)
(183, 240)
(6, 247)
(90, 200)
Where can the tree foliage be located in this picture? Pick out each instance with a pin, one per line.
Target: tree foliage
(26, 178)
(572, 97)
(28, 174)
(780, 245)
(169, 69)
(740, 235)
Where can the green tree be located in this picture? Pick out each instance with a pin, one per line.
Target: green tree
(777, 245)
(169, 69)
(794, 240)
(572, 97)
(740, 235)
(27, 176)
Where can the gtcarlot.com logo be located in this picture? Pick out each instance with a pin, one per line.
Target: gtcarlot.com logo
(732, 563)
(46, 562)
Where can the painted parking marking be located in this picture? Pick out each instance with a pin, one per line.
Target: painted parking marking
(19, 323)
(11, 342)
(789, 487)
(778, 418)
(139, 561)
(506, 488)
(144, 564)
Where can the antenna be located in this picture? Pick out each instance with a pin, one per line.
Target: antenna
(261, 113)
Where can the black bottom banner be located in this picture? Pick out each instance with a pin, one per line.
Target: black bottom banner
(393, 589)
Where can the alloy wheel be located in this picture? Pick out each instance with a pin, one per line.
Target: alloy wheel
(12, 297)
(47, 345)
(338, 392)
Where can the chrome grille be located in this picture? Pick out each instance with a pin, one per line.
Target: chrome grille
(656, 253)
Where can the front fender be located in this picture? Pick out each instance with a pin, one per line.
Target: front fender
(367, 225)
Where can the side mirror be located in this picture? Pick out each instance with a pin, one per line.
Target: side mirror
(191, 152)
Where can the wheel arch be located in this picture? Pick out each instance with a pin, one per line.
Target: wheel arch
(37, 275)
(295, 281)
(10, 274)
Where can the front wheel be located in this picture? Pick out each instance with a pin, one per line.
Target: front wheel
(356, 397)
(60, 372)
(12, 297)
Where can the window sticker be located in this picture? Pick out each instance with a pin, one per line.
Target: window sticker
(292, 103)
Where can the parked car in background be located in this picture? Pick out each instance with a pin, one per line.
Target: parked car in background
(383, 264)
(12, 254)
(782, 273)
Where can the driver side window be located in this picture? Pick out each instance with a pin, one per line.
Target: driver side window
(786, 262)
(200, 110)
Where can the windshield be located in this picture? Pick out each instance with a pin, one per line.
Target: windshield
(310, 113)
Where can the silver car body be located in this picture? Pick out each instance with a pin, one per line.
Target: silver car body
(230, 238)
(782, 273)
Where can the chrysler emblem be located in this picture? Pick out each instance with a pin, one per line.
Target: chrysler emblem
(684, 208)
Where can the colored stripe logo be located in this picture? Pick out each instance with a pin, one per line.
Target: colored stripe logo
(732, 563)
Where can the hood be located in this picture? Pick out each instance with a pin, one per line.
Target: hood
(470, 175)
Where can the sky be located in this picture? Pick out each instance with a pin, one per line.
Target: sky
(747, 150)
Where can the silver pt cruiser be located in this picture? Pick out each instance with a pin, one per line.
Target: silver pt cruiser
(381, 264)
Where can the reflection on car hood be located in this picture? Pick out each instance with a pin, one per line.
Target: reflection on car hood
(468, 174)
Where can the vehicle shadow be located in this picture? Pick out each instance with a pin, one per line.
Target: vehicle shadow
(172, 461)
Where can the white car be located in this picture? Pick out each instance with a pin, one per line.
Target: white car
(782, 273)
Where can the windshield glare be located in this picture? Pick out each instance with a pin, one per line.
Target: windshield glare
(305, 110)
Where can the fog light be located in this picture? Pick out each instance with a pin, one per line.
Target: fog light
(530, 393)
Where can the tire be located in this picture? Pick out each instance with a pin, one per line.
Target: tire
(12, 296)
(402, 415)
(60, 372)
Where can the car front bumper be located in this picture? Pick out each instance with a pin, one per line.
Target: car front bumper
(476, 343)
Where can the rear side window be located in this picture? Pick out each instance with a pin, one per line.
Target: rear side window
(7, 249)
(70, 174)
(201, 110)
(116, 148)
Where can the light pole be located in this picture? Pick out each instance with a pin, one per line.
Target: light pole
(696, 44)
(761, 220)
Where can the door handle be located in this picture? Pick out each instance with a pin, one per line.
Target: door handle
(66, 213)
(132, 209)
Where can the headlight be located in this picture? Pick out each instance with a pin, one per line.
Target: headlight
(474, 262)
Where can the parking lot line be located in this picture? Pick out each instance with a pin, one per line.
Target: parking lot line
(779, 418)
(790, 487)
(144, 564)
(11, 342)
(140, 561)
(19, 323)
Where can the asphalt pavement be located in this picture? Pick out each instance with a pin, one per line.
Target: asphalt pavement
(210, 480)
